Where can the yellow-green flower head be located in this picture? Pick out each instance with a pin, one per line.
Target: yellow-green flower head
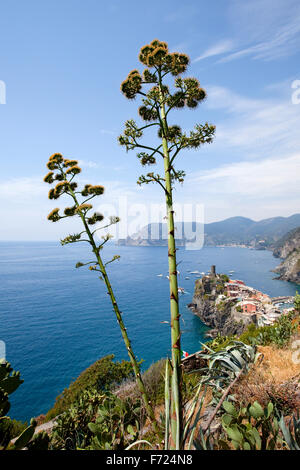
(149, 77)
(51, 194)
(147, 114)
(144, 53)
(54, 215)
(156, 43)
(157, 57)
(49, 177)
(97, 189)
(173, 132)
(60, 188)
(153, 93)
(74, 170)
(179, 63)
(96, 217)
(70, 211)
(132, 85)
(85, 191)
(84, 208)
(93, 268)
(177, 100)
(56, 157)
(52, 165)
(68, 163)
(191, 103)
(194, 90)
(134, 72)
(59, 177)
(146, 159)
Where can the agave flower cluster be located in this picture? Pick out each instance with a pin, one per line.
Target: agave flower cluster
(187, 92)
(62, 172)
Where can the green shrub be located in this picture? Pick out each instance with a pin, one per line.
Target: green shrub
(278, 334)
(100, 376)
(154, 381)
(117, 424)
(71, 430)
(297, 302)
(9, 429)
(220, 342)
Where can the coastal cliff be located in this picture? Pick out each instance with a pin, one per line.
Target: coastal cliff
(288, 248)
(217, 311)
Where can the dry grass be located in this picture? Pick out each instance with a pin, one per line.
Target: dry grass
(275, 379)
(278, 364)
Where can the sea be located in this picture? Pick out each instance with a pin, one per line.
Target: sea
(56, 320)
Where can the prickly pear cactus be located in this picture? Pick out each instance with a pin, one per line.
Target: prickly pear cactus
(10, 380)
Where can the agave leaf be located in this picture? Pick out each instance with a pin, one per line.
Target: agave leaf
(142, 441)
(167, 404)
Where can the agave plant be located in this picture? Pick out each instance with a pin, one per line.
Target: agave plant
(223, 370)
(291, 433)
(158, 100)
(62, 173)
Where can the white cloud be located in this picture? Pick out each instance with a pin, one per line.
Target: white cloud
(25, 206)
(20, 190)
(219, 48)
(266, 30)
(258, 126)
(255, 189)
(265, 178)
(88, 164)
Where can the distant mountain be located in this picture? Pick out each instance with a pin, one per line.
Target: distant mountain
(288, 248)
(232, 231)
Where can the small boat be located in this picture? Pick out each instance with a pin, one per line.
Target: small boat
(159, 275)
(164, 322)
(231, 271)
(187, 278)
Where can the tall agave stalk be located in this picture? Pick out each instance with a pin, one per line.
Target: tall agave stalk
(62, 172)
(157, 102)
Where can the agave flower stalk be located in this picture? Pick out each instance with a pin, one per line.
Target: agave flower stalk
(157, 102)
(62, 172)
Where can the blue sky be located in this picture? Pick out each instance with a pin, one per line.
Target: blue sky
(62, 63)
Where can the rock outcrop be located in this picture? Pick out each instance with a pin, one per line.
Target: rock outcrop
(220, 316)
(288, 248)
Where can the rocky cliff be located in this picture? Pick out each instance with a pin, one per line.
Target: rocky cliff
(218, 314)
(288, 248)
